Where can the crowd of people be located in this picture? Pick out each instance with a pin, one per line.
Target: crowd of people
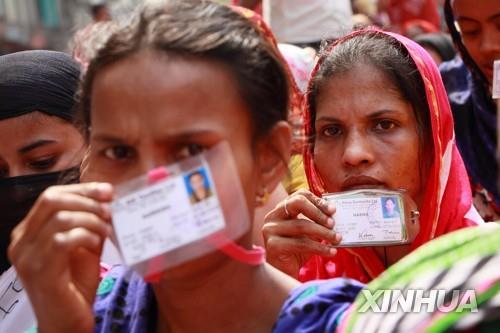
(311, 98)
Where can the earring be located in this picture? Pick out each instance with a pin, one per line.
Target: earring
(262, 197)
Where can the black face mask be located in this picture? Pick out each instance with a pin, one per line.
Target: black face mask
(17, 196)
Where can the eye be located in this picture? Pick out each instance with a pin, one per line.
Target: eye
(42, 164)
(331, 131)
(385, 125)
(470, 33)
(119, 153)
(190, 150)
(469, 30)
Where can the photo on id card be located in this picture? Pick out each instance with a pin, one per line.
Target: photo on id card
(198, 186)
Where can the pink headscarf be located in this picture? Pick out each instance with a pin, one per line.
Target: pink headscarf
(447, 201)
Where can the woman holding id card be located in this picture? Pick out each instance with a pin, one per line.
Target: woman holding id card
(188, 98)
(381, 134)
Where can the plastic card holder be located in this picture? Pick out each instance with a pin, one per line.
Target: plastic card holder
(374, 217)
(179, 212)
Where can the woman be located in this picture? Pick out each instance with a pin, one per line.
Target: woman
(37, 90)
(371, 127)
(468, 81)
(39, 146)
(178, 80)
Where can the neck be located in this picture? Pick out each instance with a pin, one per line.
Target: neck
(226, 299)
(389, 255)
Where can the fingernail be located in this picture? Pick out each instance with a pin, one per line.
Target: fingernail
(109, 230)
(104, 188)
(338, 238)
(106, 210)
(330, 222)
(332, 251)
(331, 208)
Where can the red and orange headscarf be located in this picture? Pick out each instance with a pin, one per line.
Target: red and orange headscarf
(447, 201)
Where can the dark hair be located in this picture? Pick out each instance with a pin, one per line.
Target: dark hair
(195, 173)
(386, 54)
(95, 9)
(440, 42)
(206, 30)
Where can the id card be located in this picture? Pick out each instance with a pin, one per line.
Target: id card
(496, 80)
(373, 217)
(167, 215)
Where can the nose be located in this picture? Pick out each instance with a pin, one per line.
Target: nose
(151, 158)
(357, 150)
(490, 41)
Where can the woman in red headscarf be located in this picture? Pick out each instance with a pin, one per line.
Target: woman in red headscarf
(371, 126)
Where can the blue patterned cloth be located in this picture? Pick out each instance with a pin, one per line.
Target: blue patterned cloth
(317, 306)
(125, 303)
(475, 124)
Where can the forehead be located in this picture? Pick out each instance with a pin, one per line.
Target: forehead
(24, 129)
(470, 9)
(363, 87)
(167, 94)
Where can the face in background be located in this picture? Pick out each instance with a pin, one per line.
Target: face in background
(366, 134)
(38, 143)
(479, 24)
(152, 109)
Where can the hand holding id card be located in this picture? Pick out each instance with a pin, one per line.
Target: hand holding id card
(374, 217)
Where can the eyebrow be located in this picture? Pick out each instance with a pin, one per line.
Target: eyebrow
(465, 18)
(107, 138)
(373, 115)
(34, 145)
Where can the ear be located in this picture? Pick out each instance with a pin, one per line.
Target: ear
(274, 151)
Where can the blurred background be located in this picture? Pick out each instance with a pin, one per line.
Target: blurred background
(50, 24)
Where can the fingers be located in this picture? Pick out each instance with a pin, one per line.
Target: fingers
(91, 197)
(305, 203)
(277, 247)
(52, 236)
(47, 260)
(67, 220)
(300, 229)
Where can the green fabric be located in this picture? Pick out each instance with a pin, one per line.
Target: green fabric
(440, 254)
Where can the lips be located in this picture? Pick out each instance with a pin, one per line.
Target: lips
(361, 182)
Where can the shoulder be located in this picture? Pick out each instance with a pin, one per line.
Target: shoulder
(124, 302)
(455, 74)
(317, 306)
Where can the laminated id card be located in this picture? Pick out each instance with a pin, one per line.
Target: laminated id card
(374, 217)
(179, 212)
(496, 80)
